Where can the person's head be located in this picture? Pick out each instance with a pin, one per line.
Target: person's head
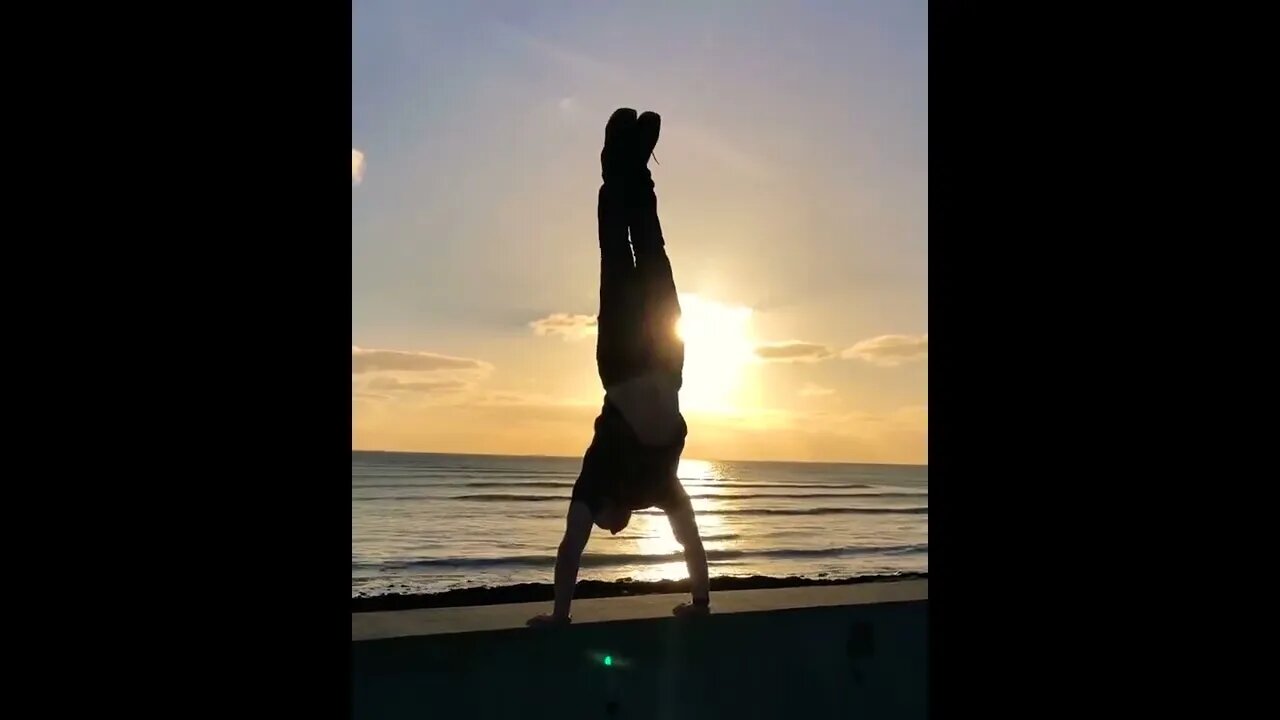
(612, 517)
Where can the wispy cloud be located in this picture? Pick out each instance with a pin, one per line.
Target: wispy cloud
(509, 398)
(394, 384)
(794, 351)
(812, 390)
(890, 350)
(399, 378)
(367, 361)
(357, 167)
(565, 325)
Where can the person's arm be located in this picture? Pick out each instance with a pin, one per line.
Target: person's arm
(685, 528)
(577, 530)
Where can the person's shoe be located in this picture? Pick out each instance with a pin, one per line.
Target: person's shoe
(616, 158)
(648, 125)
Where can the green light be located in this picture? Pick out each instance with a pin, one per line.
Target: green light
(608, 660)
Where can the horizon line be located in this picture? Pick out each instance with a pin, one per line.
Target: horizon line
(575, 457)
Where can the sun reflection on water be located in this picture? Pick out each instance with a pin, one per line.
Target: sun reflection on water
(650, 534)
(699, 470)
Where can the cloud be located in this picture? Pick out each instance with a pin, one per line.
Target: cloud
(357, 166)
(424, 386)
(794, 351)
(890, 350)
(366, 361)
(569, 327)
(811, 390)
(508, 398)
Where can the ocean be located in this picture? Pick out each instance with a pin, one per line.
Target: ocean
(423, 523)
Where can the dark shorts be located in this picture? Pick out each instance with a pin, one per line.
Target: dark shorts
(618, 467)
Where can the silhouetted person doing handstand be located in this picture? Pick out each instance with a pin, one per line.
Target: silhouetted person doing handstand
(632, 461)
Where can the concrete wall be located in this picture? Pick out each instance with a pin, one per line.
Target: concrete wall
(858, 661)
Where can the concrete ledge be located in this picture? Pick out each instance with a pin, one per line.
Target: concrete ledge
(485, 618)
(815, 652)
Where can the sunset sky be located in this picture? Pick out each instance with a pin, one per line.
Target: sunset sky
(792, 177)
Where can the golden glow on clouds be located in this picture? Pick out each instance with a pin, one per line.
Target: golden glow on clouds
(744, 397)
(891, 350)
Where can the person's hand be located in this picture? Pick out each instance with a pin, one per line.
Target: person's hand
(691, 610)
(548, 621)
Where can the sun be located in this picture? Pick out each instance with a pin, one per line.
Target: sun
(719, 346)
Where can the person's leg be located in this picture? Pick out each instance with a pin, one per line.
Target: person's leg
(657, 282)
(616, 338)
